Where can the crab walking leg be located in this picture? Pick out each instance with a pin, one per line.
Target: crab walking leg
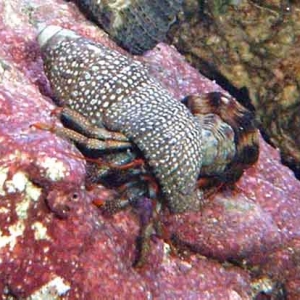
(89, 143)
(125, 161)
(87, 128)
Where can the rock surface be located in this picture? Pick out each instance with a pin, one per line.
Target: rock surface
(55, 242)
(254, 46)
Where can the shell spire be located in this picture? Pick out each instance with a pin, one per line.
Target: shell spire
(47, 32)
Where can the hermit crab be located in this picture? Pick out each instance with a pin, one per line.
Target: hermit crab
(112, 105)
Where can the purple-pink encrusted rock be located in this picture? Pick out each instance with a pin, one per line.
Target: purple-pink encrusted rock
(54, 241)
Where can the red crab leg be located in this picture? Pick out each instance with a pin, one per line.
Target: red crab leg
(135, 163)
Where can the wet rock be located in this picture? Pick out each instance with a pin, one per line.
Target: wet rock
(55, 242)
(136, 25)
(252, 45)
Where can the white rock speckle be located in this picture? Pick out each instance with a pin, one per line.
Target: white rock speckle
(40, 231)
(17, 183)
(55, 169)
(15, 231)
(3, 177)
(54, 289)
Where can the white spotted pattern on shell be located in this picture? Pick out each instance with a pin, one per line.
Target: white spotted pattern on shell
(137, 25)
(118, 93)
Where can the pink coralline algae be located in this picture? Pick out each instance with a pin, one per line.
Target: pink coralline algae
(245, 243)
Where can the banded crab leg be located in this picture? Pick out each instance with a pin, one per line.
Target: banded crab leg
(90, 136)
(86, 127)
(123, 163)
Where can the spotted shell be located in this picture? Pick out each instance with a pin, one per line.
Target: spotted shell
(136, 25)
(116, 92)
